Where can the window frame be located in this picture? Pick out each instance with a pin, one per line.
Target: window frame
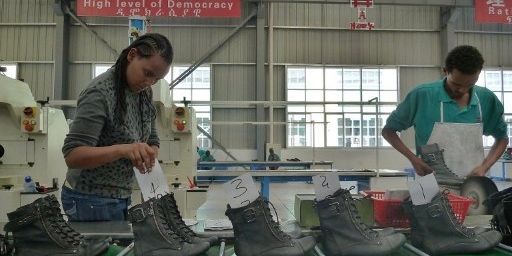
(362, 106)
(9, 66)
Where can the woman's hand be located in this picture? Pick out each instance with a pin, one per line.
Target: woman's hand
(141, 155)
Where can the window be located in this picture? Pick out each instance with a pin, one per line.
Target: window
(100, 69)
(500, 82)
(195, 87)
(336, 106)
(12, 70)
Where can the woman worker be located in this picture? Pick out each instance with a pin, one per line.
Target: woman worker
(114, 131)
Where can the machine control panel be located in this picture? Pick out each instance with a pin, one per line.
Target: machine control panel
(32, 120)
(181, 120)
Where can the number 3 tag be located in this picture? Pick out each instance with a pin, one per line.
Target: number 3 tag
(241, 191)
(326, 185)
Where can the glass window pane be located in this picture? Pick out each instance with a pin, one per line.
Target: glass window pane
(296, 108)
(352, 108)
(333, 108)
(314, 95)
(333, 78)
(296, 78)
(499, 95)
(481, 79)
(507, 102)
(388, 96)
(296, 95)
(352, 130)
(314, 108)
(201, 77)
(493, 80)
(353, 96)
(177, 70)
(370, 79)
(100, 69)
(334, 130)
(333, 95)
(201, 108)
(387, 108)
(12, 70)
(507, 80)
(351, 79)
(314, 78)
(368, 95)
(201, 94)
(178, 94)
(388, 79)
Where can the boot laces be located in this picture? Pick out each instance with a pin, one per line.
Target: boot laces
(458, 224)
(275, 225)
(159, 214)
(175, 212)
(61, 226)
(354, 213)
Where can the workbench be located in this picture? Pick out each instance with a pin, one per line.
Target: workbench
(262, 165)
(266, 177)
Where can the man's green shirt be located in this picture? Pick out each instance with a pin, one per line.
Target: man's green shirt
(421, 109)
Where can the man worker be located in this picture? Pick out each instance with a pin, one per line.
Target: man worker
(453, 112)
(273, 157)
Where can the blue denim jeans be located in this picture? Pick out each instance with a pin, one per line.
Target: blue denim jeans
(85, 207)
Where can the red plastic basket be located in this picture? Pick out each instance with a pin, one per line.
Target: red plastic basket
(389, 213)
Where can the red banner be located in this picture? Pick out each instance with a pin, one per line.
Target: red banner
(493, 11)
(164, 8)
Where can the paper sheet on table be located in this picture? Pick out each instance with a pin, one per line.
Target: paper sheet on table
(423, 189)
(152, 184)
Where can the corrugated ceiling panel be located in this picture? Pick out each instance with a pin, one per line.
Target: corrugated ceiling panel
(235, 136)
(27, 43)
(80, 75)
(25, 11)
(356, 47)
(236, 83)
(496, 48)
(39, 77)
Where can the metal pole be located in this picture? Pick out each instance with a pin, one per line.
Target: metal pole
(212, 51)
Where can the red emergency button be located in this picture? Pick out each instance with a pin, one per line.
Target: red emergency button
(29, 128)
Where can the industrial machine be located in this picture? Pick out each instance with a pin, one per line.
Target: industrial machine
(177, 131)
(31, 140)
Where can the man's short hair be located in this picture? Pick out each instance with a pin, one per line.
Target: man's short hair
(465, 58)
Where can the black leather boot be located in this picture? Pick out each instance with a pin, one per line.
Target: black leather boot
(174, 219)
(344, 232)
(39, 229)
(154, 236)
(257, 234)
(436, 230)
(433, 156)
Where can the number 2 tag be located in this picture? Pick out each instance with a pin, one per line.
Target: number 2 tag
(326, 185)
(241, 191)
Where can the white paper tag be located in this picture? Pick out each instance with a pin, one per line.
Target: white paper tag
(423, 189)
(326, 185)
(152, 184)
(241, 191)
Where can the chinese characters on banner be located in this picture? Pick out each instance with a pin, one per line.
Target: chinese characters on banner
(155, 8)
(362, 23)
(493, 11)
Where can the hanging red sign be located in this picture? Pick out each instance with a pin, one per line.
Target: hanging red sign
(493, 11)
(164, 8)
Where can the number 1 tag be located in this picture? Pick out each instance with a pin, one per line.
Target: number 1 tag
(326, 185)
(241, 190)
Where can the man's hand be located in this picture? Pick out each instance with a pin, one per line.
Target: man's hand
(479, 171)
(421, 167)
